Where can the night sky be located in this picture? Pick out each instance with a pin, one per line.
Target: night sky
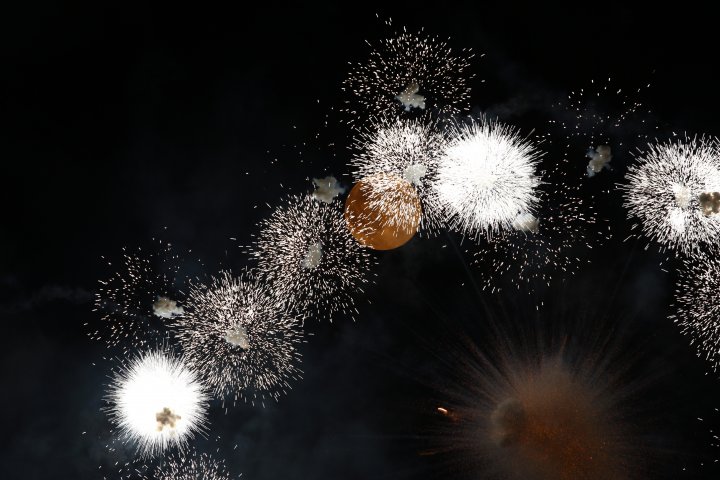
(125, 124)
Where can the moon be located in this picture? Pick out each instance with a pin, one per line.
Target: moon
(383, 211)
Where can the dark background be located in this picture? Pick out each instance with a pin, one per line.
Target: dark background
(121, 124)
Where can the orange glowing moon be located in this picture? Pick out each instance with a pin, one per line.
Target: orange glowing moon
(383, 211)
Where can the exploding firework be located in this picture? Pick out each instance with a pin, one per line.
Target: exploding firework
(549, 242)
(191, 467)
(671, 190)
(409, 73)
(486, 177)
(240, 339)
(157, 402)
(309, 258)
(542, 406)
(407, 149)
(138, 299)
(697, 306)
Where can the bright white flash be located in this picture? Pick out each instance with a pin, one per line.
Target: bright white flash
(486, 177)
(157, 402)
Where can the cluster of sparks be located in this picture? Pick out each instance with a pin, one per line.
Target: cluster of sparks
(191, 467)
(671, 192)
(407, 73)
(240, 340)
(138, 297)
(542, 245)
(406, 149)
(697, 308)
(309, 259)
(240, 335)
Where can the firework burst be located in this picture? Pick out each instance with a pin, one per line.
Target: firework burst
(139, 298)
(486, 177)
(672, 190)
(409, 73)
(191, 467)
(407, 149)
(157, 402)
(697, 307)
(240, 339)
(308, 257)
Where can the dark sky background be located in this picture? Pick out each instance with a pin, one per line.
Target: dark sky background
(124, 123)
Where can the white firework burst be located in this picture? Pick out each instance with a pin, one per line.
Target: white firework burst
(140, 297)
(672, 189)
(309, 258)
(546, 244)
(239, 338)
(697, 306)
(486, 177)
(157, 402)
(409, 73)
(407, 149)
(191, 467)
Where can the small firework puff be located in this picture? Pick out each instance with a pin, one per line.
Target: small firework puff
(142, 294)
(308, 257)
(408, 149)
(157, 402)
(671, 190)
(409, 73)
(697, 306)
(542, 245)
(326, 189)
(486, 177)
(191, 467)
(383, 211)
(239, 338)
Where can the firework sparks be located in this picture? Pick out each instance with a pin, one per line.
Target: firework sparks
(309, 258)
(697, 306)
(544, 244)
(665, 193)
(146, 287)
(157, 402)
(409, 73)
(191, 467)
(486, 178)
(407, 149)
(240, 340)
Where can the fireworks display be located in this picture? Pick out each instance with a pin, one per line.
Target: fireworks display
(697, 306)
(308, 257)
(191, 467)
(406, 74)
(243, 344)
(486, 177)
(418, 161)
(667, 189)
(142, 294)
(157, 402)
(407, 149)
